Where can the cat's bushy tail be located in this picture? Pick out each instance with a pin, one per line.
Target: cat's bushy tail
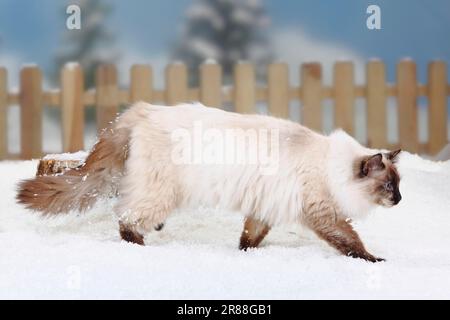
(79, 188)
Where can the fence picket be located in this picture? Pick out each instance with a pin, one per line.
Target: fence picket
(311, 92)
(72, 108)
(211, 84)
(30, 112)
(3, 114)
(141, 86)
(376, 105)
(244, 88)
(344, 96)
(106, 95)
(176, 84)
(437, 111)
(278, 88)
(407, 105)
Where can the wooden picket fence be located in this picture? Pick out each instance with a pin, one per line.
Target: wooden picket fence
(72, 98)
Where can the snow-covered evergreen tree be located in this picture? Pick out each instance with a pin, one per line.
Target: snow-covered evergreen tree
(226, 31)
(91, 45)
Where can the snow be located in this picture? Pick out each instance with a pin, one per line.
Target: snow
(200, 11)
(80, 155)
(444, 154)
(195, 255)
(30, 65)
(72, 65)
(204, 48)
(210, 61)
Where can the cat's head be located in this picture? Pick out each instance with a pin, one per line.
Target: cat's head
(380, 177)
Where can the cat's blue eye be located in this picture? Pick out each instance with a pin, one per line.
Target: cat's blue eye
(389, 186)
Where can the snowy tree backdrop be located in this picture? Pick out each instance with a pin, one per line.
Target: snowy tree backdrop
(90, 46)
(226, 31)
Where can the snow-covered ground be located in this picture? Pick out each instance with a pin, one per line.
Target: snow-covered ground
(196, 256)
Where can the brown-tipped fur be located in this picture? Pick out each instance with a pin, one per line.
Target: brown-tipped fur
(341, 235)
(129, 235)
(253, 233)
(79, 188)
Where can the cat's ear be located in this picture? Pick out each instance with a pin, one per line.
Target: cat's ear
(371, 164)
(392, 156)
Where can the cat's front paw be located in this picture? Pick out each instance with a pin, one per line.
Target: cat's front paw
(366, 256)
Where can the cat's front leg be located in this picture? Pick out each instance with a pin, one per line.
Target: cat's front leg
(340, 235)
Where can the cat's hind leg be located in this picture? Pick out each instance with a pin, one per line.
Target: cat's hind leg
(148, 193)
(141, 212)
(253, 233)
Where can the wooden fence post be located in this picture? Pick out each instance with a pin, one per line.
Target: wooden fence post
(311, 93)
(376, 105)
(344, 96)
(3, 114)
(244, 88)
(72, 107)
(106, 95)
(211, 84)
(31, 112)
(141, 83)
(278, 90)
(407, 105)
(437, 106)
(176, 84)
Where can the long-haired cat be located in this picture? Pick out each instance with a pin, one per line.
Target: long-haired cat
(274, 171)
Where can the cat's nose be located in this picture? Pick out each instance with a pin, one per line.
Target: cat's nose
(397, 198)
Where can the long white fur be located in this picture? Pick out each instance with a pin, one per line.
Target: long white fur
(312, 168)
